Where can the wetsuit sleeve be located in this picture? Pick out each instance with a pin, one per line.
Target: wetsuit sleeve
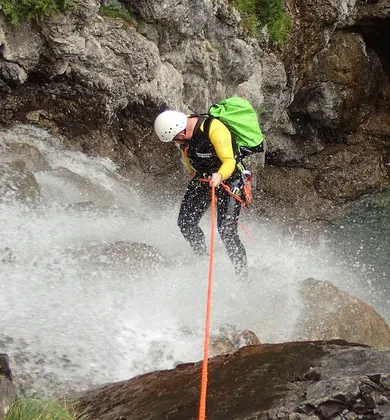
(221, 139)
(186, 161)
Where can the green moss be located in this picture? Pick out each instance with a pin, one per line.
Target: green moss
(256, 14)
(141, 26)
(116, 12)
(16, 10)
(262, 109)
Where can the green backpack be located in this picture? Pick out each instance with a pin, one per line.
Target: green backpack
(241, 119)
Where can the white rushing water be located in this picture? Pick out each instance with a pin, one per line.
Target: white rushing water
(115, 321)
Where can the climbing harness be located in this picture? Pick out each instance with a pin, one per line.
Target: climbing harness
(239, 199)
(247, 177)
(246, 199)
(228, 190)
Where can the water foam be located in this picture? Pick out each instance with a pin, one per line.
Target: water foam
(115, 322)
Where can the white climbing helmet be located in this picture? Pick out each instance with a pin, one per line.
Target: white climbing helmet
(169, 123)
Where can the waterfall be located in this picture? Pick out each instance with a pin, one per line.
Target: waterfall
(86, 316)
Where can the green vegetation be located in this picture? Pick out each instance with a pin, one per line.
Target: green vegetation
(248, 12)
(34, 409)
(117, 12)
(258, 13)
(262, 109)
(15, 10)
(273, 14)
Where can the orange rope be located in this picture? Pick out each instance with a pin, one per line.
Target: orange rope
(243, 228)
(238, 198)
(203, 390)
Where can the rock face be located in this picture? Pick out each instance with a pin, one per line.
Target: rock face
(318, 189)
(330, 313)
(47, 373)
(305, 380)
(17, 182)
(7, 388)
(336, 95)
(100, 82)
(228, 339)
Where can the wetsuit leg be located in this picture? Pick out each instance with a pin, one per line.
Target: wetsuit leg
(228, 211)
(195, 202)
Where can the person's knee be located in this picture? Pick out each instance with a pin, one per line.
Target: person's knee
(227, 231)
(182, 223)
(185, 224)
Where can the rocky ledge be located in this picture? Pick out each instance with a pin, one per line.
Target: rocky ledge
(297, 380)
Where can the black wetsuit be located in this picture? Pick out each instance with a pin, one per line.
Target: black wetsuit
(197, 199)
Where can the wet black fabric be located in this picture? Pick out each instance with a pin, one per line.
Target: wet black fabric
(196, 201)
(200, 151)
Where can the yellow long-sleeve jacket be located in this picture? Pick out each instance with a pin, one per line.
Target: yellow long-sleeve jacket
(210, 149)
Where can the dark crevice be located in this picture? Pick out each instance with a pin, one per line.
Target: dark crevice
(37, 78)
(376, 35)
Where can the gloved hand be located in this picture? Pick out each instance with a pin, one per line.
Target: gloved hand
(216, 179)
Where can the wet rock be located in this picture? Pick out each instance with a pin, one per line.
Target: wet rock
(324, 187)
(17, 182)
(228, 339)
(225, 339)
(7, 387)
(344, 173)
(7, 255)
(79, 188)
(258, 382)
(132, 255)
(30, 155)
(44, 373)
(330, 313)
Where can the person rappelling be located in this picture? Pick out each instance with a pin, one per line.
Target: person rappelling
(211, 152)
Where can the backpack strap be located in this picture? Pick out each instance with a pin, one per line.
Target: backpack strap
(207, 123)
(201, 118)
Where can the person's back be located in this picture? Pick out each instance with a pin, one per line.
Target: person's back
(211, 144)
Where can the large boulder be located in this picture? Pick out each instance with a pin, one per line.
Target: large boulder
(306, 380)
(330, 313)
(17, 182)
(30, 155)
(133, 255)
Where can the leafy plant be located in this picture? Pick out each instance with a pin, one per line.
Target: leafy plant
(273, 14)
(15, 10)
(113, 11)
(248, 12)
(258, 13)
(34, 409)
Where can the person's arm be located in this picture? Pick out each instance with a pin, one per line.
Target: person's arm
(187, 163)
(221, 139)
